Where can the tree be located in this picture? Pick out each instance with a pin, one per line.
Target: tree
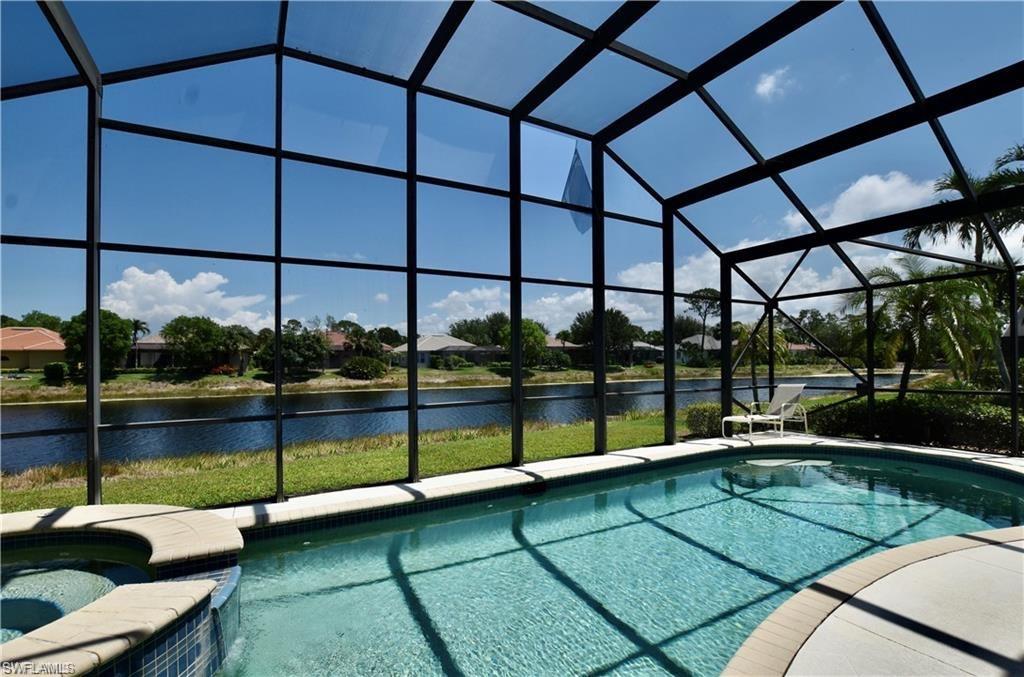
(971, 231)
(239, 340)
(620, 333)
(705, 303)
(952, 317)
(302, 350)
(534, 341)
(139, 328)
(115, 340)
(37, 318)
(389, 336)
(485, 331)
(194, 342)
(685, 326)
(8, 321)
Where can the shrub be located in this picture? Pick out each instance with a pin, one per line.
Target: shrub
(935, 420)
(453, 362)
(436, 362)
(223, 370)
(363, 368)
(704, 419)
(55, 372)
(555, 360)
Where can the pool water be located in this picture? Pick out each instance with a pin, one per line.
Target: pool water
(658, 573)
(36, 591)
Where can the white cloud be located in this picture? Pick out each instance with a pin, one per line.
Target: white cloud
(771, 86)
(869, 196)
(157, 297)
(290, 298)
(381, 297)
(461, 305)
(351, 317)
(557, 309)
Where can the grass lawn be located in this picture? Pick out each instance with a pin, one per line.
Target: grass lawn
(205, 480)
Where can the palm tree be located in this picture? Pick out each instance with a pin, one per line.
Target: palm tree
(757, 350)
(953, 317)
(971, 231)
(139, 328)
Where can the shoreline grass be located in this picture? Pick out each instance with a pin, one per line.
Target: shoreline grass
(149, 386)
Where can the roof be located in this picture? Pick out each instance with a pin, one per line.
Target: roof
(429, 343)
(30, 339)
(800, 347)
(553, 342)
(646, 345)
(152, 342)
(710, 342)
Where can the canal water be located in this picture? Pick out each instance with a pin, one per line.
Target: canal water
(20, 454)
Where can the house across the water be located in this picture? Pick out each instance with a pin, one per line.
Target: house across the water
(29, 347)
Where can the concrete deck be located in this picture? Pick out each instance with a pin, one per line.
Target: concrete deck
(105, 629)
(173, 534)
(949, 605)
(366, 498)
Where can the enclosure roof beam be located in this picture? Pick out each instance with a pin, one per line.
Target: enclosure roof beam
(62, 24)
(882, 31)
(618, 23)
(926, 254)
(442, 36)
(765, 35)
(943, 211)
(962, 96)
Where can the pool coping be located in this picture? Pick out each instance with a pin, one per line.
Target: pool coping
(773, 646)
(107, 628)
(338, 508)
(179, 539)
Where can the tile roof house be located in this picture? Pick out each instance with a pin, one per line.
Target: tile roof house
(29, 347)
(342, 348)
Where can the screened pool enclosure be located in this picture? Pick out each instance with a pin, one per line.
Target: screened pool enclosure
(412, 165)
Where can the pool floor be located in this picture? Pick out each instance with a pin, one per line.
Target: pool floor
(662, 573)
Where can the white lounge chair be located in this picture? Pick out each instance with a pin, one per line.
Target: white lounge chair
(785, 406)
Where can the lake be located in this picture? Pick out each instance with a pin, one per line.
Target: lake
(20, 454)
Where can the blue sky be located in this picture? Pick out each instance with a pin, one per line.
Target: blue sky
(831, 74)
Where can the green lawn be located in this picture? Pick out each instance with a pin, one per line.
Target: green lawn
(205, 480)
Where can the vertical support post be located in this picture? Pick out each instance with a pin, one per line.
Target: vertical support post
(668, 281)
(516, 284)
(278, 319)
(412, 354)
(600, 384)
(1013, 300)
(725, 285)
(769, 308)
(93, 358)
(869, 357)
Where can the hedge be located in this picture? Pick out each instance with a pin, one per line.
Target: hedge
(936, 420)
(55, 372)
(363, 368)
(704, 419)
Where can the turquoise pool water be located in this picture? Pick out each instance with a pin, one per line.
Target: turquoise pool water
(39, 586)
(658, 573)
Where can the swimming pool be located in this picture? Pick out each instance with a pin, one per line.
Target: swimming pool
(661, 572)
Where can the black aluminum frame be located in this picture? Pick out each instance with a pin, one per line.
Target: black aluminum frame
(594, 42)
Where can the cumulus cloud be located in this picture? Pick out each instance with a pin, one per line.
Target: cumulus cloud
(351, 317)
(157, 297)
(869, 196)
(462, 305)
(771, 86)
(381, 297)
(557, 308)
(290, 298)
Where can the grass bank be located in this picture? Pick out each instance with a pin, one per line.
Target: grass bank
(154, 385)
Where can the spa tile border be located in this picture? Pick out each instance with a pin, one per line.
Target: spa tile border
(367, 504)
(180, 540)
(771, 648)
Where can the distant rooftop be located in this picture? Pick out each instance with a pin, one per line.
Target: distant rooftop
(30, 338)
